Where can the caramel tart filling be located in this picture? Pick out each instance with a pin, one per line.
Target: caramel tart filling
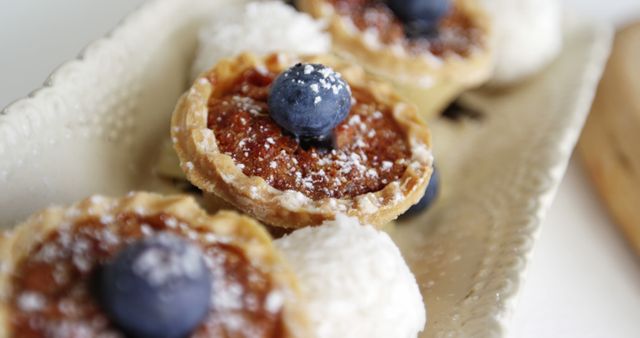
(369, 148)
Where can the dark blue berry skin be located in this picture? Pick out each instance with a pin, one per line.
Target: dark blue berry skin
(309, 101)
(429, 197)
(420, 17)
(158, 287)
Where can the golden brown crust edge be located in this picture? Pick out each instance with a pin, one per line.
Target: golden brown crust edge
(242, 232)
(428, 81)
(215, 172)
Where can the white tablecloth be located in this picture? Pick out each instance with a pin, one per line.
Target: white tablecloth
(583, 280)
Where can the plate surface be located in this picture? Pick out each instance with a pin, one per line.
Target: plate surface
(99, 122)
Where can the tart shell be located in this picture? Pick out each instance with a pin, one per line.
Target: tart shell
(215, 172)
(240, 231)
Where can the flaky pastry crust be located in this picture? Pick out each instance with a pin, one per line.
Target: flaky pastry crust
(215, 172)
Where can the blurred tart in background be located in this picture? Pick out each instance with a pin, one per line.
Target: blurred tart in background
(431, 50)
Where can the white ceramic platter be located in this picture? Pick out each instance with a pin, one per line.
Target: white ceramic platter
(98, 123)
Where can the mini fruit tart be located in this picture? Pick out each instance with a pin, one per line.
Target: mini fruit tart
(294, 140)
(145, 266)
(431, 49)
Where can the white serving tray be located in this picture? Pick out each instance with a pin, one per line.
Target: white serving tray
(98, 123)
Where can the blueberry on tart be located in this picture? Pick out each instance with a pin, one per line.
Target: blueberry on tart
(145, 266)
(293, 141)
(431, 49)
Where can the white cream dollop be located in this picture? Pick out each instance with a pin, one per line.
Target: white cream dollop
(528, 35)
(355, 280)
(259, 27)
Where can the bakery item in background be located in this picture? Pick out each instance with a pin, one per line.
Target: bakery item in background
(259, 27)
(608, 145)
(431, 53)
(527, 37)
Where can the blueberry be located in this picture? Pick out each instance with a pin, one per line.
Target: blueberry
(429, 196)
(158, 287)
(309, 101)
(420, 17)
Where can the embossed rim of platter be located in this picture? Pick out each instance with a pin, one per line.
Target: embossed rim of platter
(488, 317)
(496, 305)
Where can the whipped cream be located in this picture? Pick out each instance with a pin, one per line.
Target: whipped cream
(355, 280)
(258, 27)
(528, 35)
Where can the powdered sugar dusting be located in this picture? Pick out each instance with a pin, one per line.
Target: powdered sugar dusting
(275, 301)
(159, 266)
(367, 205)
(106, 219)
(308, 69)
(293, 200)
(330, 79)
(31, 301)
